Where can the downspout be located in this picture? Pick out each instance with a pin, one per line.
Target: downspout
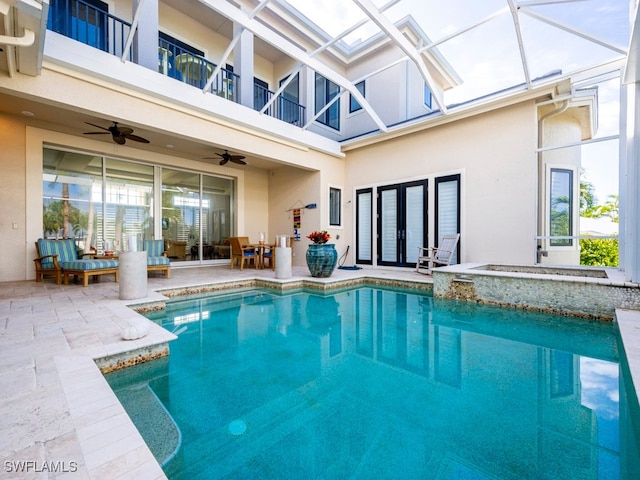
(564, 105)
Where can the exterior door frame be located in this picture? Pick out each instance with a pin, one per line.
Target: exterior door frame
(404, 233)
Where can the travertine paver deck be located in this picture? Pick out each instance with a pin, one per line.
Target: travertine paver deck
(59, 418)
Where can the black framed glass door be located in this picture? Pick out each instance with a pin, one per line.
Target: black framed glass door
(402, 222)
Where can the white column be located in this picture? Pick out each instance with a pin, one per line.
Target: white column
(243, 65)
(145, 43)
(630, 181)
(132, 275)
(283, 262)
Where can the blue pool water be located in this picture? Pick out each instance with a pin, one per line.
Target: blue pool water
(374, 383)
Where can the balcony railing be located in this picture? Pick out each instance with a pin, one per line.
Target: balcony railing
(181, 64)
(282, 109)
(90, 25)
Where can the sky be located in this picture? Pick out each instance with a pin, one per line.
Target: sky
(488, 59)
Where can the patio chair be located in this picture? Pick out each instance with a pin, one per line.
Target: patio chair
(60, 258)
(241, 252)
(440, 256)
(157, 260)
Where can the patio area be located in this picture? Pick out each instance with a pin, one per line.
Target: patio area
(61, 418)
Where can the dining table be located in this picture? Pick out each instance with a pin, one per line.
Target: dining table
(260, 248)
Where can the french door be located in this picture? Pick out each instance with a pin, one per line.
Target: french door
(402, 222)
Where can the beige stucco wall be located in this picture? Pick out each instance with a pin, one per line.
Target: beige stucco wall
(255, 201)
(12, 200)
(495, 155)
(291, 188)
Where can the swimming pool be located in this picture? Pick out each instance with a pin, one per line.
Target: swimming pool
(377, 383)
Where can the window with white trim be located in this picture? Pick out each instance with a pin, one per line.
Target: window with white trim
(335, 197)
(428, 97)
(561, 207)
(364, 226)
(326, 91)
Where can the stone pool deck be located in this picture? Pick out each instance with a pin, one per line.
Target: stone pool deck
(59, 417)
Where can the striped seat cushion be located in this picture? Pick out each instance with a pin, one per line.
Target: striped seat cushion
(84, 265)
(65, 249)
(154, 248)
(153, 261)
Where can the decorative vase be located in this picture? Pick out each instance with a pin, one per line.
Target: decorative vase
(322, 259)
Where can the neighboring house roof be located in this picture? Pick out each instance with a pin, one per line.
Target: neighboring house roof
(598, 226)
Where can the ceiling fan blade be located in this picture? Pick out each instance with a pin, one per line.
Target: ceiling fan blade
(120, 140)
(124, 130)
(226, 158)
(135, 138)
(96, 133)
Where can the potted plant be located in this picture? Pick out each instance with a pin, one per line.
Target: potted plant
(322, 257)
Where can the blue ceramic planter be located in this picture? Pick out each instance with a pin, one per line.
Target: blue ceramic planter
(322, 259)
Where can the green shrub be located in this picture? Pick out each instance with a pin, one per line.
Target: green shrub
(601, 252)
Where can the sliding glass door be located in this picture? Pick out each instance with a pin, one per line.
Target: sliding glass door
(196, 219)
(97, 201)
(101, 201)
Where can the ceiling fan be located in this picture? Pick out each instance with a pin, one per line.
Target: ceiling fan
(119, 134)
(226, 157)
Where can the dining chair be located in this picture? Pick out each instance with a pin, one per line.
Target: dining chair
(242, 252)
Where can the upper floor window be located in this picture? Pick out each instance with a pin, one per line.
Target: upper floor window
(427, 96)
(326, 91)
(288, 104)
(82, 20)
(354, 105)
(173, 45)
(561, 207)
(261, 93)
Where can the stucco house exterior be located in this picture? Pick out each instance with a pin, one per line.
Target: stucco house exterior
(357, 141)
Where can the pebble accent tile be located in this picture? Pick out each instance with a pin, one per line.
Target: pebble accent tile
(594, 296)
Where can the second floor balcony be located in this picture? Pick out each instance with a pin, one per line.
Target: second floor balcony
(89, 24)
